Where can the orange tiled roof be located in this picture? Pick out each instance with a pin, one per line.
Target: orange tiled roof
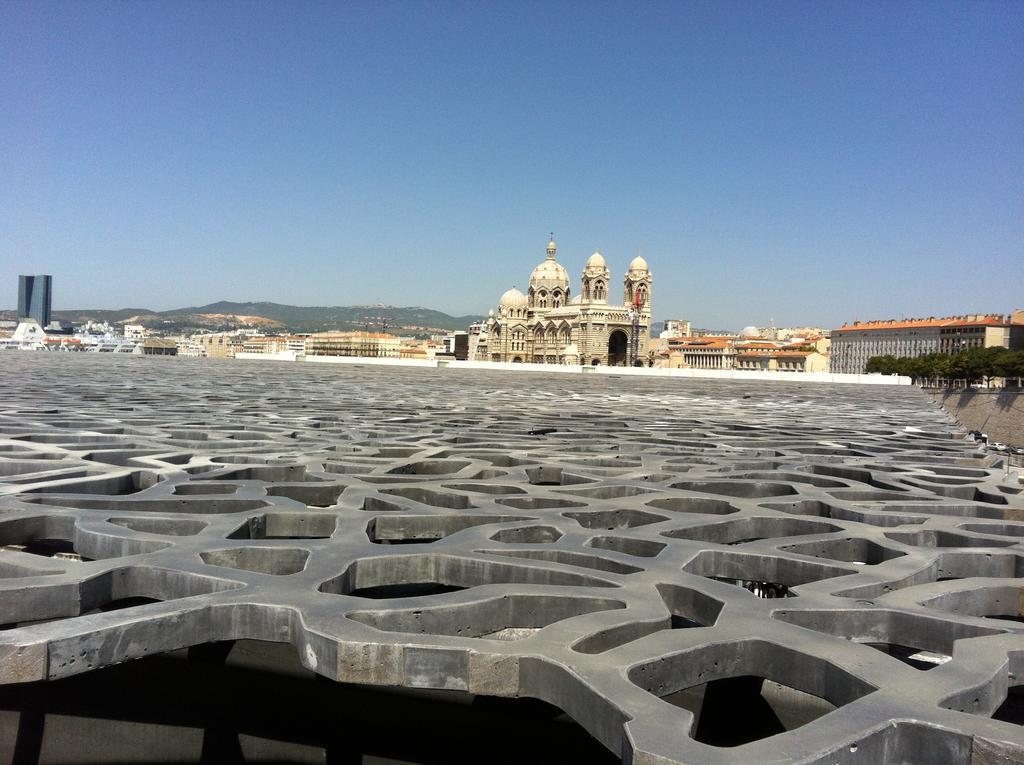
(699, 345)
(931, 321)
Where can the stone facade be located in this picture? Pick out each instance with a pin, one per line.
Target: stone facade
(854, 344)
(548, 325)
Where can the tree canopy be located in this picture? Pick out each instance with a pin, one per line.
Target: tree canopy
(972, 366)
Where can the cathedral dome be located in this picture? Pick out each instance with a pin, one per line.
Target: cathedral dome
(638, 264)
(596, 260)
(549, 274)
(750, 332)
(513, 298)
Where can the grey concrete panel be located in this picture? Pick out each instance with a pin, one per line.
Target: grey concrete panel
(696, 571)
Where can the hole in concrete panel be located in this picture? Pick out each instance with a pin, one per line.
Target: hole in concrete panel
(1012, 708)
(275, 561)
(912, 657)
(430, 467)
(438, 570)
(940, 538)
(286, 526)
(567, 558)
(404, 590)
(769, 709)
(850, 550)
(378, 505)
(486, 475)
(485, 488)
(609, 492)
(615, 519)
(689, 607)
(694, 505)
(422, 529)
(111, 590)
(908, 634)
(114, 485)
(777, 688)
(861, 495)
(537, 503)
(9, 469)
(743, 530)
(824, 510)
(741, 489)
(205, 488)
(553, 476)
(763, 575)
(433, 498)
(268, 473)
(323, 495)
(398, 451)
(173, 527)
(196, 506)
(509, 617)
(640, 548)
(999, 529)
(1003, 603)
(776, 475)
(528, 535)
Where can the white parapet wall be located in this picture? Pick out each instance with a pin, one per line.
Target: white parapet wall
(718, 374)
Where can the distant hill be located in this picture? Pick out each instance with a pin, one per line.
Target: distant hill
(275, 317)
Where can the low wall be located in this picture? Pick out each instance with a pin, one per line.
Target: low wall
(999, 413)
(718, 374)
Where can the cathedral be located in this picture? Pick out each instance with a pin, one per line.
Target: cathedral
(550, 325)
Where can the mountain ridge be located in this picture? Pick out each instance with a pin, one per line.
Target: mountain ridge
(226, 314)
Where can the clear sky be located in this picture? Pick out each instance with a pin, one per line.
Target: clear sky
(811, 162)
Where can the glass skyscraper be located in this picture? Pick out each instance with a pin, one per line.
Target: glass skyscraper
(34, 293)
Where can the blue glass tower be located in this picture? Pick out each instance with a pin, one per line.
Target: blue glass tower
(34, 294)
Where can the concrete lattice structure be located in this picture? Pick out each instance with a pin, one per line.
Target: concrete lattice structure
(547, 325)
(658, 558)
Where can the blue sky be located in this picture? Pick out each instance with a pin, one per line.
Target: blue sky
(803, 161)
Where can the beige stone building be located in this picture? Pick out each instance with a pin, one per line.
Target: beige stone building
(853, 344)
(219, 345)
(781, 360)
(363, 344)
(549, 325)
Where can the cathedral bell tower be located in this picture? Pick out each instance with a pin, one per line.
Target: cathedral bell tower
(637, 285)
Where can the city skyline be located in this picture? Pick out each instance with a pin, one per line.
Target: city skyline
(802, 163)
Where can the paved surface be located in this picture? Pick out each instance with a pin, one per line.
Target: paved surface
(695, 571)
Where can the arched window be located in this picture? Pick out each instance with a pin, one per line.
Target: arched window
(543, 298)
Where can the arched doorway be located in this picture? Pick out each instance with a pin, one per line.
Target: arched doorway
(617, 349)
(517, 360)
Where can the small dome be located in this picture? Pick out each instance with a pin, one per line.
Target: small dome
(638, 264)
(513, 298)
(596, 260)
(551, 246)
(750, 331)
